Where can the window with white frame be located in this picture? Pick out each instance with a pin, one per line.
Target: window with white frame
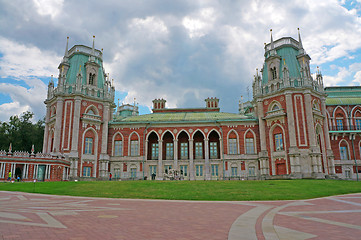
(234, 171)
(88, 149)
(214, 168)
(232, 146)
(116, 173)
(251, 171)
(249, 146)
(87, 171)
(199, 170)
(344, 153)
(279, 142)
(184, 150)
(199, 149)
(358, 123)
(348, 173)
(155, 150)
(118, 148)
(152, 170)
(134, 146)
(213, 150)
(169, 150)
(133, 172)
(167, 168)
(339, 124)
(184, 170)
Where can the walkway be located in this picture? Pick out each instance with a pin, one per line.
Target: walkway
(37, 216)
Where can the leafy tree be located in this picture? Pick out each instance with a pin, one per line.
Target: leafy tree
(22, 133)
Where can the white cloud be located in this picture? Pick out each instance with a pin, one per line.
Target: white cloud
(21, 61)
(184, 51)
(46, 7)
(24, 64)
(200, 23)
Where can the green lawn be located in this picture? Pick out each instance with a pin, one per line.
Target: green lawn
(193, 190)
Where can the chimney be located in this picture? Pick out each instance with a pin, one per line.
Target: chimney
(212, 103)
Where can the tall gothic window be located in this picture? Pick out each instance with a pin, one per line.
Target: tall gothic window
(155, 151)
(91, 79)
(134, 145)
(199, 149)
(169, 151)
(344, 153)
(118, 148)
(249, 146)
(88, 149)
(184, 150)
(279, 142)
(232, 146)
(273, 73)
(213, 150)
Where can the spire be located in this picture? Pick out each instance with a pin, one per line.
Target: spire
(92, 55)
(66, 54)
(272, 52)
(301, 50)
(93, 49)
(241, 106)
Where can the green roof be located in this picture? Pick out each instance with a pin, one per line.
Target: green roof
(289, 54)
(183, 117)
(347, 95)
(343, 101)
(80, 59)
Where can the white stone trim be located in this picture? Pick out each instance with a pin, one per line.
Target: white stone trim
(300, 97)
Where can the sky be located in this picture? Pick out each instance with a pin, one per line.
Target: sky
(181, 50)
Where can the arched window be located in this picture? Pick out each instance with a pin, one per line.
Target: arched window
(198, 145)
(249, 142)
(88, 147)
(339, 121)
(273, 73)
(118, 145)
(213, 145)
(153, 146)
(91, 79)
(183, 145)
(357, 117)
(134, 144)
(91, 112)
(344, 151)
(275, 107)
(232, 143)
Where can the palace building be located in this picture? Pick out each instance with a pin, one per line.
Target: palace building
(293, 128)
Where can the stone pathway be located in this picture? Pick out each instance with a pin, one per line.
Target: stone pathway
(37, 216)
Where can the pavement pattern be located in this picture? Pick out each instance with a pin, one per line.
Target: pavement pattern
(38, 216)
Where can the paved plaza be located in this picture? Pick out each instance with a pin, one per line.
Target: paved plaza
(38, 216)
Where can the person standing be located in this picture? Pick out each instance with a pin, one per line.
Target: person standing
(110, 176)
(9, 178)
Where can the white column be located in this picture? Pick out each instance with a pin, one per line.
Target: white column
(191, 164)
(291, 120)
(75, 133)
(206, 159)
(175, 150)
(160, 165)
(105, 129)
(309, 117)
(46, 130)
(58, 121)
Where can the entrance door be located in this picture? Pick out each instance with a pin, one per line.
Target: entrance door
(281, 169)
(41, 173)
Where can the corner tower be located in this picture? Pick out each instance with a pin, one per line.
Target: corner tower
(291, 111)
(78, 110)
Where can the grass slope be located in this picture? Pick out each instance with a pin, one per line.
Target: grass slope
(193, 190)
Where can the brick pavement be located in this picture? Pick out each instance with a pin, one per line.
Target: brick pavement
(37, 216)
